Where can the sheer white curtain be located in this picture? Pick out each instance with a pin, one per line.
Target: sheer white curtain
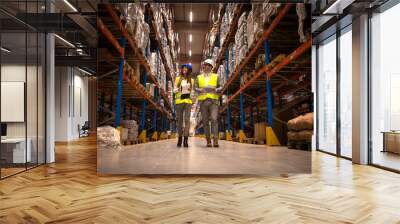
(327, 96)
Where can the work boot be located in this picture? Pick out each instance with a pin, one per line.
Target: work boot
(208, 142)
(185, 142)
(179, 141)
(216, 143)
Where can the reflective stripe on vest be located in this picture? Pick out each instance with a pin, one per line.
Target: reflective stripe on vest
(212, 82)
(178, 95)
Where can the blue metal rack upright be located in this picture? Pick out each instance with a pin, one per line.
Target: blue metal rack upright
(119, 85)
(228, 114)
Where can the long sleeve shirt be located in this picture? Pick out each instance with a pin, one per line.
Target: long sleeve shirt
(183, 85)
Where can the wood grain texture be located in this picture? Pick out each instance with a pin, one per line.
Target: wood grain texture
(70, 191)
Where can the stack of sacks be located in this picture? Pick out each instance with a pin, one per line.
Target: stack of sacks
(301, 128)
(260, 61)
(257, 20)
(221, 74)
(226, 21)
(268, 11)
(302, 14)
(241, 39)
(150, 87)
(132, 129)
(133, 72)
(135, 23)
(250, 29)
(108, 138)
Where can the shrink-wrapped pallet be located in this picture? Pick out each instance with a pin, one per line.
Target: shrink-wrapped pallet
(108, 138)
(250, 29)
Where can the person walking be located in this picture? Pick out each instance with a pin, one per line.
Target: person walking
(183, 89)
(208, 86)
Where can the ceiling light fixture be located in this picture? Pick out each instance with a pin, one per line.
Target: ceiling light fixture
(70, 5)
(64, 40)
(190, 37)
(5, 50)
(84, 71)
(337, 7)
(191, 16)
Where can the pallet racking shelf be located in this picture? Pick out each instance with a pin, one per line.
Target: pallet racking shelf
(139, 54)
(128, 83)
(230, 36)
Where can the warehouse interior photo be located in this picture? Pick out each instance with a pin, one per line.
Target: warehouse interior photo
(261, 55)
(211, 112)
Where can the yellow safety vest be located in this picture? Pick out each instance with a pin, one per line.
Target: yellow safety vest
(178, 95)
(212, 82)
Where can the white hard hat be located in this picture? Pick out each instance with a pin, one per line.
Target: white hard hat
(209, 61)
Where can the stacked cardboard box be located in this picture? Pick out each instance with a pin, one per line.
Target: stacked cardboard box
(221, 74)
(133, 71)
(133, 14)
(132, 129)
(241, 40)
(259, 132)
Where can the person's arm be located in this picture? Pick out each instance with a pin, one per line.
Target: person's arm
(196, 86)
(176, 84)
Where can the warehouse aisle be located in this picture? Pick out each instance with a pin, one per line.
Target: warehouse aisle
(163, 157)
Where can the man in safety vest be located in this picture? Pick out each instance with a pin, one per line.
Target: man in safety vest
(208, 86)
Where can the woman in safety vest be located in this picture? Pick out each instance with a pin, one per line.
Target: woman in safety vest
(183, 87)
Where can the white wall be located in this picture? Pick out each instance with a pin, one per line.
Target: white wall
(33, 127)
(71, 94)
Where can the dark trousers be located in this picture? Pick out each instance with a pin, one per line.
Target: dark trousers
(209, 114)
(183, 117)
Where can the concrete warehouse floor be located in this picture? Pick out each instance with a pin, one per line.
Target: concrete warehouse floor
(163, 157)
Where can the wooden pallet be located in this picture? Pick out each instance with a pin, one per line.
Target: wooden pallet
(300, 145)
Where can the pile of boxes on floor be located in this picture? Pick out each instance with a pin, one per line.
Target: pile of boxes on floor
(130, 131)
(111, 138)
(133, 14)
(301, 131)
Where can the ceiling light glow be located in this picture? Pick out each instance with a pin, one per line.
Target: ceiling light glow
(70, 5)
(65, 41)
(5, 49)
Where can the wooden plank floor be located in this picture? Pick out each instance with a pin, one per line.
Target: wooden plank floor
(164, 157)
(70, 191)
